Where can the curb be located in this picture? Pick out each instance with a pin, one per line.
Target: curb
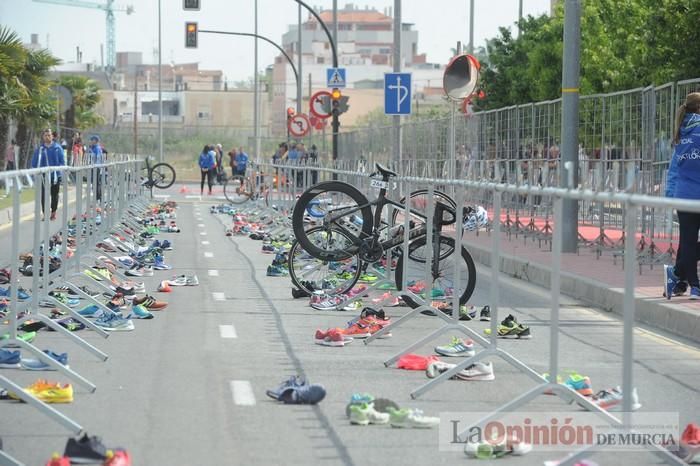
(650, 311)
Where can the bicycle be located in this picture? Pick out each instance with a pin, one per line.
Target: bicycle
(239, 189)
(160, 175)
(344, 211)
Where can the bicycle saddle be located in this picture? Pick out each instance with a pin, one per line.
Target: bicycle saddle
(385, 172)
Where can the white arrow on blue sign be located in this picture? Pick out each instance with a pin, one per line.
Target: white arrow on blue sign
(397, 93)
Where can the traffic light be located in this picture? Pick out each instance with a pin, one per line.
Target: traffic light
(335, 101)
(343, 104)
(190, 5)
(335, 94)
(191, 35)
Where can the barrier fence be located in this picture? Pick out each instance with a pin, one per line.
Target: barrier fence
(467, 192)
(103, 199)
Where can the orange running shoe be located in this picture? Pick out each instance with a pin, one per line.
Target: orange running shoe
(357, 330)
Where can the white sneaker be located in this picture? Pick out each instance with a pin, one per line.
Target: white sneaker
(364, 414)
(477, 371)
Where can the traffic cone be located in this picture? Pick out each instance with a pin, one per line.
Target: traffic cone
(165, 287)
(184, 189)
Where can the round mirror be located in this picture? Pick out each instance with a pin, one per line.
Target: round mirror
(461, 76)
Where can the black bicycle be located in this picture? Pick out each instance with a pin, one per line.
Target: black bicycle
(351, 228)
(160, 175)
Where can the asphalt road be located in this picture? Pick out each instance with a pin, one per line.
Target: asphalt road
(182, 390)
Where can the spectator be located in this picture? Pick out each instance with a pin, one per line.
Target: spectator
(207, 165)
(11, 156)
(684, 183)
(219, 152)
(232, 160)
(96, 157)
(313, 161)
(49, 154)
(240, 162)
(76, 149)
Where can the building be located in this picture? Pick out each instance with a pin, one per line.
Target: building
(365, 49)
(130, 69)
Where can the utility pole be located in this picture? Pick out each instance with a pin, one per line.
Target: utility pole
(136, 107)
(568, 170)
(299, 83)
(396, 119)
(335, 124)
(160, 88)
(256, 96)
(470, 49)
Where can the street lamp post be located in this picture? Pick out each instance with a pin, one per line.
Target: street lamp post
(335, 123)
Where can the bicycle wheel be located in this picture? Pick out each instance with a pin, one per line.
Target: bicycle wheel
(163, 175)
(311, 274)
(444, 281)
(418, 201)
(238, 189)
(335, 200)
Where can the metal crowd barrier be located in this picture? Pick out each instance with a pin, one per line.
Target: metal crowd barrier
(94, 201)
(466, 193)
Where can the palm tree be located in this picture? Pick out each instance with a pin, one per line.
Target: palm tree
(86, 95)
(13, 96)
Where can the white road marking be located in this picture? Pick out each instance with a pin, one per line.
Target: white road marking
(242, 393)
(227, 331)
(200, 225)
(161, 196)
(203, 233)
(213, 273)
(190, 196)
(205, 243)
(208, 254)
(218, 296)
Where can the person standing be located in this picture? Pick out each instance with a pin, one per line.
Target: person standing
(11, 156)
(49, 154)
(313, 162)
(232, 160)
(240, 163)
(684, 182)
(207, 165)
(96, 157)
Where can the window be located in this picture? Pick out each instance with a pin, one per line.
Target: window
(385, 51)
(203, 113)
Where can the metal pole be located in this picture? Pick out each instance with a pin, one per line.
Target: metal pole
(396, 119)
(136, 100)
(335, 124)
(520, 15)
(256, 114)
(299, 83)
(160, 91)
(569, 121)
(471, 27)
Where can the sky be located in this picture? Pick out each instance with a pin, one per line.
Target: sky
(440, 24)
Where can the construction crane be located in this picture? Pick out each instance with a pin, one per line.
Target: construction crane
(109, 8)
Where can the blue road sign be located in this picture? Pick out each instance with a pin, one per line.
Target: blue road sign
(335, 77)
(397, 93)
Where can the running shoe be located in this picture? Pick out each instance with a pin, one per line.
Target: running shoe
(54, 393)
(92, 310)
(191, 280)
(303, 395)
(138, 311)
(329, 304)
(358, 330)
(365, 414)
(491, 450)
(150, 303)
(331, 337)
(416, 287)
(9, 359)
(32, 364)
(458, 347)
(510, 328)
(611, 399)
(670, 281)
(85, 449)
(178, 281)
(479, 371)
(160, 264)
(689, 445)
(694, 292)
(276, 271)
(293, 381)
(354, 306)
(114, 323)
(411, 418)
(485, 314)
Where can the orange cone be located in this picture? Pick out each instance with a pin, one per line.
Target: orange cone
(165, 287)
(184, 189)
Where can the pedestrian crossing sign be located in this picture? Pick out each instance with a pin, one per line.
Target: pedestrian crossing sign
(335, 77)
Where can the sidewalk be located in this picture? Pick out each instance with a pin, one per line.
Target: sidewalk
(596, 281)
(26, 210)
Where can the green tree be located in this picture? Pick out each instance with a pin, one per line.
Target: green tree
(13, 96)
(81, 114)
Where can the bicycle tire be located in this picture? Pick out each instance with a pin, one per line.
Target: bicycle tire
(467, 266)
(163, 170)
(300, 272)
(439, 195)
(238, 189)
(326, 190)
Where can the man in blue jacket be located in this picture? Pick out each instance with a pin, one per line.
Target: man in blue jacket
(49, 154)
(684, 183)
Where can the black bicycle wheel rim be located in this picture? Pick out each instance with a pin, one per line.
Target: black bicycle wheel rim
(163, 175)
(237, 190)
(326, 189)
(438, 195)
(467, 266)
(302, 281)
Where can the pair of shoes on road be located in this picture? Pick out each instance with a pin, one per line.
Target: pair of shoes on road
(674, 286)
(90, 449)
(581, 384)
(487, 450)
(511, 328)
(296, 390)
(365, 414)
(478, 371)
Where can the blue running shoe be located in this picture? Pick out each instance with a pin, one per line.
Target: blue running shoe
(670, 281)
(38, 365)
(694, 292)
(293, 381)
(9, 359)
(140, 312)
(304, 395)
(276, 271)
(90, 311)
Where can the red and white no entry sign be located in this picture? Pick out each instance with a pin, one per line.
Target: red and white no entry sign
(298, 125)
(316, 104)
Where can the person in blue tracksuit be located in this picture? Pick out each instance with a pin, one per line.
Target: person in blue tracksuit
(684, 183)
(96, 157)
(207, 165)
(49, 154)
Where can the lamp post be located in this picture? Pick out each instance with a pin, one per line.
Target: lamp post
(160, 91)
(335, 123)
